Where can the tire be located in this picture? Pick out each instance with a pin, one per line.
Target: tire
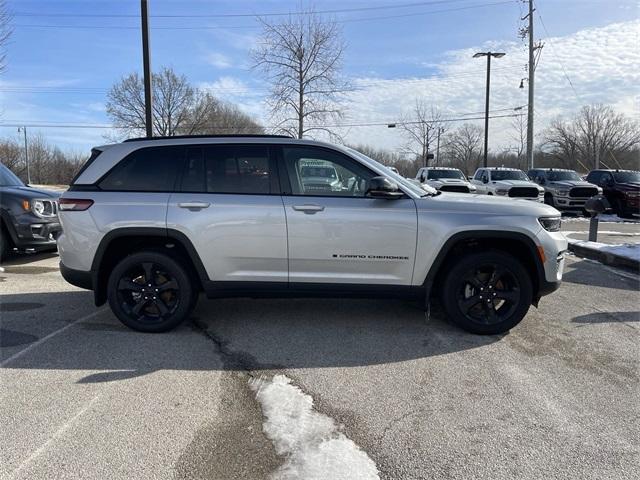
(5, 243)
(548, 199)
(152, 306)
(476, 275)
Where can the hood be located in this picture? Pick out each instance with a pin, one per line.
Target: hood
(628, 186)
(515, 183)
(570, 184)
(447, 181)
(29, 192)
(486, 205)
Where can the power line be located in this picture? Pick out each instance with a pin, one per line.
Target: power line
(215, 127)
(218, 27)
(240, 15)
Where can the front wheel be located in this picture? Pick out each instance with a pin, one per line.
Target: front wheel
(487, 293)
(150, 292)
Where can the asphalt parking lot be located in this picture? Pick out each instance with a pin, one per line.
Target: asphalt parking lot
(82, 397)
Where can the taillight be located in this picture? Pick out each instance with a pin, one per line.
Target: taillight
(74, 204)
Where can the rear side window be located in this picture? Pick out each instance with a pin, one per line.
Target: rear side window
(242, 169)
(146, 170)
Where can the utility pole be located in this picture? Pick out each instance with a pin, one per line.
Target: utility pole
(486, 108)
(531, 69)
(440, 130)
(26, 152)
(148, 98)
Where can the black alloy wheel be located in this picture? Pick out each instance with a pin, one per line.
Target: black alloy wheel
(150, 292)
(487, 293)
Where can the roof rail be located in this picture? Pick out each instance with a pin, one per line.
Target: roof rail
(231, 135)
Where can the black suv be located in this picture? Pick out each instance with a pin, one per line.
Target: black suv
(28, 216)
(622, 189)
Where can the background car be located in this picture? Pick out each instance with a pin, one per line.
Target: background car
(563, 189)
(28, 216)
(621, 188)
(508, 182)
(445, 179)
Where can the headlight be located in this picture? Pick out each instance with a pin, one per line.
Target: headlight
(563, 193)
(550, 224)
(501, 191)
(599, 190)
(472, 188)
(38, 207)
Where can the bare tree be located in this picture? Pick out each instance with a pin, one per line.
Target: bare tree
(464, 147)
(301, 57)
(173, 98)
(11, 156)
(519, 136)
(5, 33)
(597, 134)
(178, 108)
(421, 129)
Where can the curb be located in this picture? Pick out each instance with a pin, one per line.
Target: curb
(606, 258)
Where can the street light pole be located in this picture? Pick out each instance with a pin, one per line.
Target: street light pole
(440, 130)
(486, 108)
(26, 152)
(146, 62)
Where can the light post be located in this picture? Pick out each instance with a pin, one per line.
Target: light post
(26, 152)
(440, 131)
(486, 109)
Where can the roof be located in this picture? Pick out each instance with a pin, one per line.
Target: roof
(234, 135)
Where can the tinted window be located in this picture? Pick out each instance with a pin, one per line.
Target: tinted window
(558, 176)
(319, 172)
(594, 177)
(627, 177)
(243, 169)
(146, 170)
(497, 175)
(478, 175)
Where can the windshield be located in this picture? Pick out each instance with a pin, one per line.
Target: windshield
(326, 172)
(560, 176)
(436, 174)
(406, 184)
(627, 177)
(498, 175)
(8, 178)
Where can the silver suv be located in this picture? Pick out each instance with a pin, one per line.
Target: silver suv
(149, 224)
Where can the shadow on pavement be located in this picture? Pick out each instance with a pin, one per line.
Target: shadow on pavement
(607, 317)
(15, 259)
(251, 334)
(584, 273)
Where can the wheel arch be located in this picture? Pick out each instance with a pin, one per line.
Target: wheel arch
(121, 242)
(515, 243)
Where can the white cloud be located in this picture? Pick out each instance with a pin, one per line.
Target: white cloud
(602, 63)
(218, 60)
(226, 87)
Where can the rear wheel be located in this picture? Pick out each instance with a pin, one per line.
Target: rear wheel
(5, 243)
(487, 293)
(150, 292)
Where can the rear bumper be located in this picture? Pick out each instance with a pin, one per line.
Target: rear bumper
(78, 278)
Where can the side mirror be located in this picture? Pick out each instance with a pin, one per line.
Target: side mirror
(485, 180)
(542, 181)
(382, 187)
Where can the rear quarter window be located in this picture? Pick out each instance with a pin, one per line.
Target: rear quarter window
(151, 169)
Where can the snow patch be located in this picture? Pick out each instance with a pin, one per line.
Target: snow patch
(603, 232)
(603, 218)
(311, 442)
(627, 250)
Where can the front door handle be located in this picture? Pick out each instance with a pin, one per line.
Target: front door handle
(194, 205)
(308, 209)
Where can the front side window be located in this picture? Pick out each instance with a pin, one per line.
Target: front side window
(146, 170)
(319, 172)
(478, 175)
(241, 169)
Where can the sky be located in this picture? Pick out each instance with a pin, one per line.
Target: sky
(64, 55)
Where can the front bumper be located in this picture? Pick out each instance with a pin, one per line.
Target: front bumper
(29, 232)
(570, 203)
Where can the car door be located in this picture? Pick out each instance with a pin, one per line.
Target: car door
(336, 234)
(478, 181)
(229, 206)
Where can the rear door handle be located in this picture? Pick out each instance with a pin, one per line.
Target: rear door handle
(308, 209)
(194, 205)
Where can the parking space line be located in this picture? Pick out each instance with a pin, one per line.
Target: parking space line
(47, 337)
(53, 437)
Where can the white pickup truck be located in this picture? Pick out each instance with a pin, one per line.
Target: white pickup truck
(506, 182)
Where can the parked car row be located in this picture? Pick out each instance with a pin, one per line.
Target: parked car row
(561, 188)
